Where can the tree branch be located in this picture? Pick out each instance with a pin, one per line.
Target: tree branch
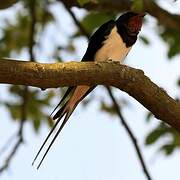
(11, 155)
(116, 105)
(7, 3)
(130, 133)
(164, 17)
(130, 80)
(25, 91)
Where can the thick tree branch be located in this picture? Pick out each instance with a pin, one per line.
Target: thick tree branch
(164, 17)
(130, 80)
(116, 105)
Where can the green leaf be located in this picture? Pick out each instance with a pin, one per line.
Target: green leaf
(163, 131)
(149, 116)
(83, 2)
(144, 40)
(178, 82)
(12, 40)
(137, 5)
(14, 110)
(35, 105)
(154, 135)
(168, 149)
(94, 20)
(172, 38)
(110, 109)
(37, 123)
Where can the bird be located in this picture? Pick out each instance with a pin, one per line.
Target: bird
(112, 41)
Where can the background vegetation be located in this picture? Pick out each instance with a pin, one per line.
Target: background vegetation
(24, 32)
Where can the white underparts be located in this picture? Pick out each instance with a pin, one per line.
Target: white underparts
(113, 48)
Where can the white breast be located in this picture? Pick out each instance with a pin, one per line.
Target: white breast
(113, 48)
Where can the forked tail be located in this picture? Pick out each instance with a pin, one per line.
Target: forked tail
(76, 95)
(66, 110)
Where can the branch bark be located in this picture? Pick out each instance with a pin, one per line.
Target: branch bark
(164, 17)
(7, 3)
(25, 97)
(116, 105)
(130, 80)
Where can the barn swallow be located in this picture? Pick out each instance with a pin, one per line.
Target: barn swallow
(112, 41)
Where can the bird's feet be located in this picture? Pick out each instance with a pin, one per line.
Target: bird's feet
(110, 60)
(114, 61)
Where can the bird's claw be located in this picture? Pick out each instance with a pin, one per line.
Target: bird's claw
(110, 60)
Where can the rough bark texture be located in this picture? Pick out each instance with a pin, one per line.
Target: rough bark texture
(130, 80)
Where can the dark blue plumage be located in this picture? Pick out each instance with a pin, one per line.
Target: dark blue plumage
(95, 41)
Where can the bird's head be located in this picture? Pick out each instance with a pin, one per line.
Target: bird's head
(131, 21)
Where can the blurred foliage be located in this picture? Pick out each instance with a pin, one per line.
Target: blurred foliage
(169, 137)
(35, 105)
(144, 39)
(93, 20)
(14, 39)
(172, 38)
(84, 2)
(137, 5)
(149, 115)
(178, 82)
(108, 108)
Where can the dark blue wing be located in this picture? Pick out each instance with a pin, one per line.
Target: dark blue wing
(95, 41)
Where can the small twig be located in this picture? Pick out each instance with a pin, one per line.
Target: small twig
(124, 123)
(32, 32)
(20, 131)
(130, 133)
(11, 155)
(19, 134)
(7, 144)
(79, 25)
(25, 91)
